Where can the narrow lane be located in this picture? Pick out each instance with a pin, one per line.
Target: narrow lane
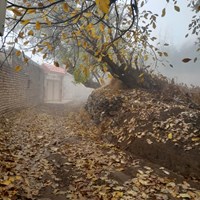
(49, 153)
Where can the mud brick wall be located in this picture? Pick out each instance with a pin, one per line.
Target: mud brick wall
(20, 89)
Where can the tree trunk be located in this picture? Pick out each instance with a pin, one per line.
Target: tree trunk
(131, 77)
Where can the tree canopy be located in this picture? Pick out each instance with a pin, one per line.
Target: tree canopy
(89, 37)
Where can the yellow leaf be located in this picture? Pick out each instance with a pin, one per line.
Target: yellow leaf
(16, 12)
(141, 75)
(33, 51)
(25, 22)
(101, 27)
(18, 53)
(18, 177)
(99, 59)
(26, 60)
(88, 14)
(65, 7)
(89, 27)
(75, 20)
(64, 36)
(18, 68)
(109, 31)
(163, 12)
(145, 57)
(37, 25)
(40, 4)
(84, 44)
(105, 69)
(170, 136)
(49, 46)
(21, 34)
(103, 5)
(31, 11)
(86, 71)
(101, 81)
(31, 33)
(26, 42)
(177, 8)
(6, 182)
(56, 64)
(48, 21)
(196, 139)
(110, 76)
(40, 49)
(117, 194)
(44, 56)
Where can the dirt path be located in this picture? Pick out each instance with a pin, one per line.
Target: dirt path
(48, 153)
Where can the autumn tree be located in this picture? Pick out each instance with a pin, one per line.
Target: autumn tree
(93, 36)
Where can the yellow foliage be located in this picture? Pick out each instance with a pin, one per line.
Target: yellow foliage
(110, 76)
(37, 25)
(33, 51)
(75, 20)
(44, 56)
(21, 34)
(31, 11)
(170, 136)
(48, 21)
(101, 27)
(56, 64)
(39, 49)
(88, 14)
(31, 33)
(103, 5)
(146, 57)
(25, 22)
(65, 7)
(18, 53)
(18, 68)
(49, 46)
(26, 42)
(16, 12)
(84, 44)
(26, 60)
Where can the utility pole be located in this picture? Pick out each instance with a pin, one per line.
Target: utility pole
(2, 15)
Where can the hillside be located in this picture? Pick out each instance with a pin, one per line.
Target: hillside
(160, 126)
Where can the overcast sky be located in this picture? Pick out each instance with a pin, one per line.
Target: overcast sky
(172, 29)
(174, 25)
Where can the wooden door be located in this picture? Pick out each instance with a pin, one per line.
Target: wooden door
(53, 91)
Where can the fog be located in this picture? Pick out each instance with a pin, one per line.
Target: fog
(172, 29)
(74, 92)
(188, 73)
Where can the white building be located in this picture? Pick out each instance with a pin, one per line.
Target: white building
(59, 86)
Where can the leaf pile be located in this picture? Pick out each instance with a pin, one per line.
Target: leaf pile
(161, 127)
(48, 154)
(138, 113)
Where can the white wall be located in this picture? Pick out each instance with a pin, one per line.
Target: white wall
(73, 91)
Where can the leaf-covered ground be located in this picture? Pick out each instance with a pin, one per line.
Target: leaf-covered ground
(47, 153)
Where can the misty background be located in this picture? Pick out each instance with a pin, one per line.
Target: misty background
(172, 29)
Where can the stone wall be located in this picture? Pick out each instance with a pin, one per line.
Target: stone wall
(20, 89)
